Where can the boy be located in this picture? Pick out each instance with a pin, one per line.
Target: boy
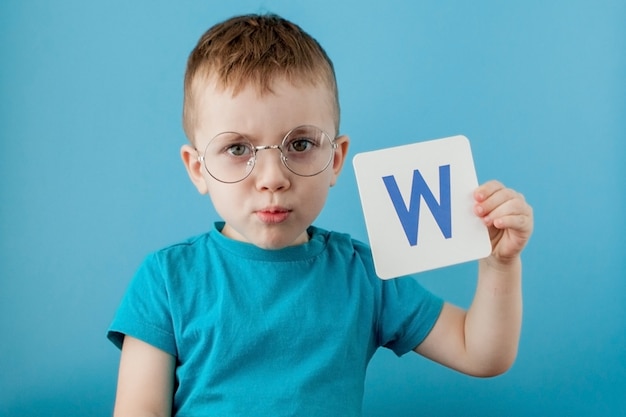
(266, 314)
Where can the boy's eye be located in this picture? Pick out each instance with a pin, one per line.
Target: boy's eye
(238, 149)
(300, 145)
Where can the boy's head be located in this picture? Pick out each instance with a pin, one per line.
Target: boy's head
(255, 50)
(261, 84)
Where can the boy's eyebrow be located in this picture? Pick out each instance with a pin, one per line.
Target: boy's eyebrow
(255, 139)
(278, 137)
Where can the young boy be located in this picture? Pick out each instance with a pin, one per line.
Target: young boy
(266, 314)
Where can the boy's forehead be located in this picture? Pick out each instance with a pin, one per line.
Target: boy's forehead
(211, 95)
(203, 85)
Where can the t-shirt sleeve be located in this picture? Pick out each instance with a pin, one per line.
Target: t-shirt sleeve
(408, 313)
(144, 312)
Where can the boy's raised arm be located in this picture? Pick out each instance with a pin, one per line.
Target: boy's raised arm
(483, 341)
(146, 381)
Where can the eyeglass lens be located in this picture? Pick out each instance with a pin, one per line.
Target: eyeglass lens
(306, 151)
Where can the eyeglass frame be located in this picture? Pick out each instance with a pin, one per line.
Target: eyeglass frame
(283, 158)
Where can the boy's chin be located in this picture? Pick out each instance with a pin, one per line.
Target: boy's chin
(274, 238)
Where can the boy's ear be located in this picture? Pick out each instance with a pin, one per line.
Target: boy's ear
(343, 143)
(194, 168)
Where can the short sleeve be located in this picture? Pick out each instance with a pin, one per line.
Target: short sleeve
(407, 314)
(144, 312)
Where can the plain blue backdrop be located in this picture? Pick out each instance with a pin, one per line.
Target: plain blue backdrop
(90, 180)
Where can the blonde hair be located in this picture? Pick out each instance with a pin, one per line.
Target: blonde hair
(256, 49)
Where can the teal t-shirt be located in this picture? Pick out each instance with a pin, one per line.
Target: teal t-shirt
(259, 332)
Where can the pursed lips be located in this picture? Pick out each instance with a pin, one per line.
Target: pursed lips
(273, 215)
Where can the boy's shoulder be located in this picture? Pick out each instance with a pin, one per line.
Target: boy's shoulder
(342, 239)
(344, 244)
(187, 248)
(189, 243)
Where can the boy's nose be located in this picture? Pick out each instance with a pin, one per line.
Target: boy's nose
(269, 171)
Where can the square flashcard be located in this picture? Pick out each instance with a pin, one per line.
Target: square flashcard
(418, 205)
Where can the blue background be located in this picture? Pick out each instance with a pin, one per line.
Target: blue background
(90, 180)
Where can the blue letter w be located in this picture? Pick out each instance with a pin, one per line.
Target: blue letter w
(410, 217)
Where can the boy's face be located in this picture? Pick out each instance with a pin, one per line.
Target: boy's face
(272, 207)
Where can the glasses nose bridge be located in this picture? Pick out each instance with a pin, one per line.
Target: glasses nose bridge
(266, 147)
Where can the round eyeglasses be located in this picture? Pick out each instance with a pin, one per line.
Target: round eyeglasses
(230, 157)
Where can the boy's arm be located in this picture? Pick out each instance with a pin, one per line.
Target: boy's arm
(483, 341)
(146, 381)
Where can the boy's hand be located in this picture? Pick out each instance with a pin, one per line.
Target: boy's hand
(508, 217)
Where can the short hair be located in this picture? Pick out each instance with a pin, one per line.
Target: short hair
(256, 49)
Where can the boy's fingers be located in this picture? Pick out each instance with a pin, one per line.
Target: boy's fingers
(508, 216)
(508, 209)
(501, 198)
(487, 189)
(519, 222)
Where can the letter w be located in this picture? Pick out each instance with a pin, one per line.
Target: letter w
(410, 217)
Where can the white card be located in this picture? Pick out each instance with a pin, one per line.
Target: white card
(418, 205)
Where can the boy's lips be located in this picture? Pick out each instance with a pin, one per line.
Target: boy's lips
(273, 215)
